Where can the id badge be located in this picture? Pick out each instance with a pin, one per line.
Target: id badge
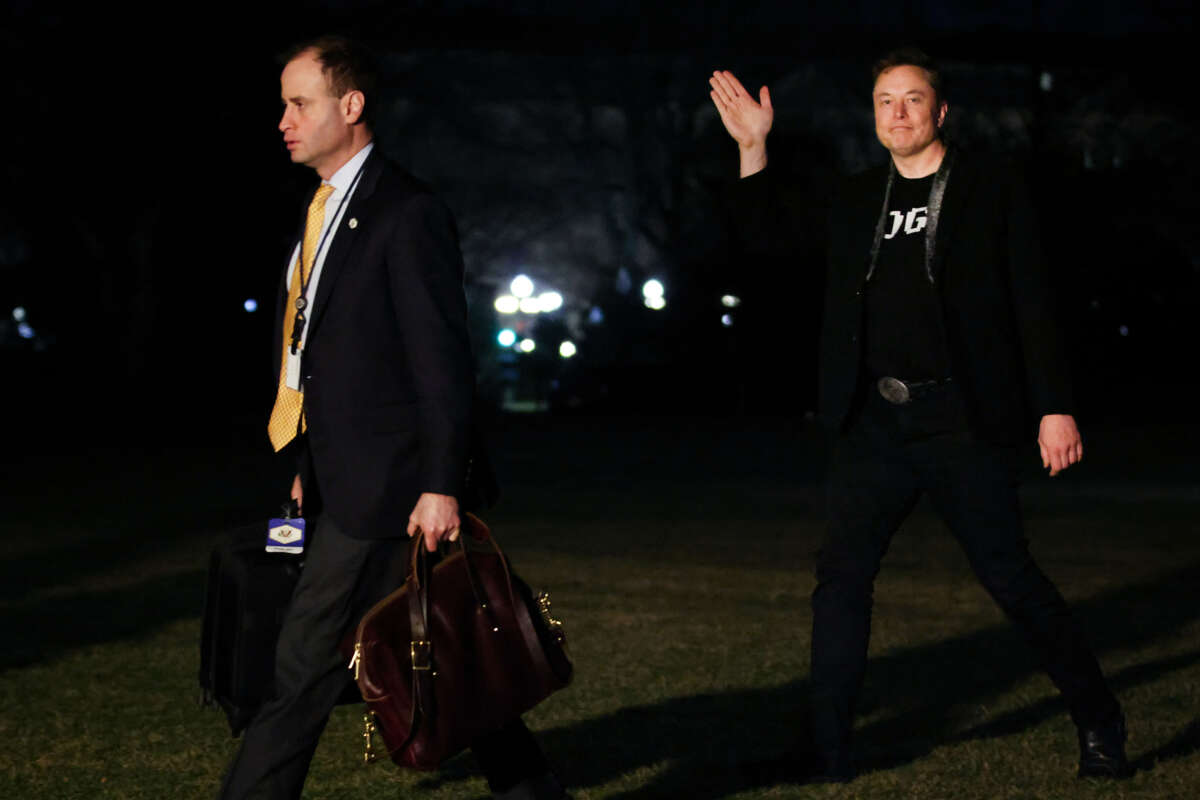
(292, 371)
(285, 535)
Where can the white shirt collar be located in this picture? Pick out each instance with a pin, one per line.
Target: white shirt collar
(342, 179)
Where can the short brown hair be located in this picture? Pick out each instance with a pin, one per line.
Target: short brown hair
(348, 66)
(912, 57)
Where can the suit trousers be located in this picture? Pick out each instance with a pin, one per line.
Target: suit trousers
(342, 578)
(882, 464)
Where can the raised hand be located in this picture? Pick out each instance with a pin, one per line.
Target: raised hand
(747, 121)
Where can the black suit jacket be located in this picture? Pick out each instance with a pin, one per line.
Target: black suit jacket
(1005, 350)
(387, 368)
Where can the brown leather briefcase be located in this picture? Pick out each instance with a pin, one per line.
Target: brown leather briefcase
(460, 649)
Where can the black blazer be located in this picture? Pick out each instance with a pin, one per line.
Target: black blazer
(387, 367)
(1005, 350)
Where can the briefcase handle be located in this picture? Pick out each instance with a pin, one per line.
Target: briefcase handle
(421, 654)
(418, 603)
(478, 530)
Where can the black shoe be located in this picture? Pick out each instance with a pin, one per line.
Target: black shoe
(1102, 751)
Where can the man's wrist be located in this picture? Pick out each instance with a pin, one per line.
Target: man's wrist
(752, 158)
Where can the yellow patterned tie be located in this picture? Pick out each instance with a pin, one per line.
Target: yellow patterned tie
(286, 416)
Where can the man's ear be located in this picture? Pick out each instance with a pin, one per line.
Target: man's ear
(943, 110)
(353, 104)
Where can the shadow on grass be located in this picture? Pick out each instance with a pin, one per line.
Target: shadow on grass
(699, 746)
(1182, 745)
(119, 505)
(695, 746)
(65, 565)
(38, 631)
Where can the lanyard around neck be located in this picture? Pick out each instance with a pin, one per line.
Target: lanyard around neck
(302, 297)
(936, 193)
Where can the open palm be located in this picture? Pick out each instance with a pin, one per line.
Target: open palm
(748, 121)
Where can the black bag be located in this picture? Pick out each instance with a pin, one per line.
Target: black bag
(248, 594)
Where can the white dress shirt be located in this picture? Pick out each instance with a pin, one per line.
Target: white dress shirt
(344, 186)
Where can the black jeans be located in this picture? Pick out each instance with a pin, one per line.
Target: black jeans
(890, 456)
(343, 577)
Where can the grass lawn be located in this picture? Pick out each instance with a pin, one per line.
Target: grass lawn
(681, 562)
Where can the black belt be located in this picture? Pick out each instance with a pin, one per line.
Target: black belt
(898, 392)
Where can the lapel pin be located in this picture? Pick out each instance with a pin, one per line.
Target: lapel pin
(353, 223)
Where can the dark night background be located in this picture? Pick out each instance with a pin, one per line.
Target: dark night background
(149, 195)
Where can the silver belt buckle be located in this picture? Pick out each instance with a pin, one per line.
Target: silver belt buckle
(894, 390)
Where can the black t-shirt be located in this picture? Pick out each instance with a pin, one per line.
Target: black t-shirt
(904, 335)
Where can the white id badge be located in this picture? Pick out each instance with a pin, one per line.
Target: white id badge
(285, 535)
(292, 371)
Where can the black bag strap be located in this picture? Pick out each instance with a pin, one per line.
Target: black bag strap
(420, 646)
(523, 615)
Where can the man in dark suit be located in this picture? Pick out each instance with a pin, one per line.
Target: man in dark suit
(938, 339)
(374, 396)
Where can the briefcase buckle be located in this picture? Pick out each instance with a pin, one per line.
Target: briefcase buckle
(555, 626)
(420, 651)
(369, 728)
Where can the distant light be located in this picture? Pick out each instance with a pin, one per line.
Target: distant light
(507, 304)
(596, 315)
(251, 305)
(24, 330)
(527, 345)
(567, 349)
(1095, 305)
(727, 320)
(624, 281)
(1123, 330)
(506, 337)
(652, 288)
(522, 286)
(731, 301)
(656, 303)
(550, 301)
(1046, 81)
(19, 314)
(530, 305)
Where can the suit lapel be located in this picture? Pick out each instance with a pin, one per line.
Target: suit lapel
(962, 181)
(345, 236)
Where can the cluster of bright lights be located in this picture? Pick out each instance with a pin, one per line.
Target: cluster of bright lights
(522, 299)
(508, 338)
(24, 329)
(729, 301)
(653, 294)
